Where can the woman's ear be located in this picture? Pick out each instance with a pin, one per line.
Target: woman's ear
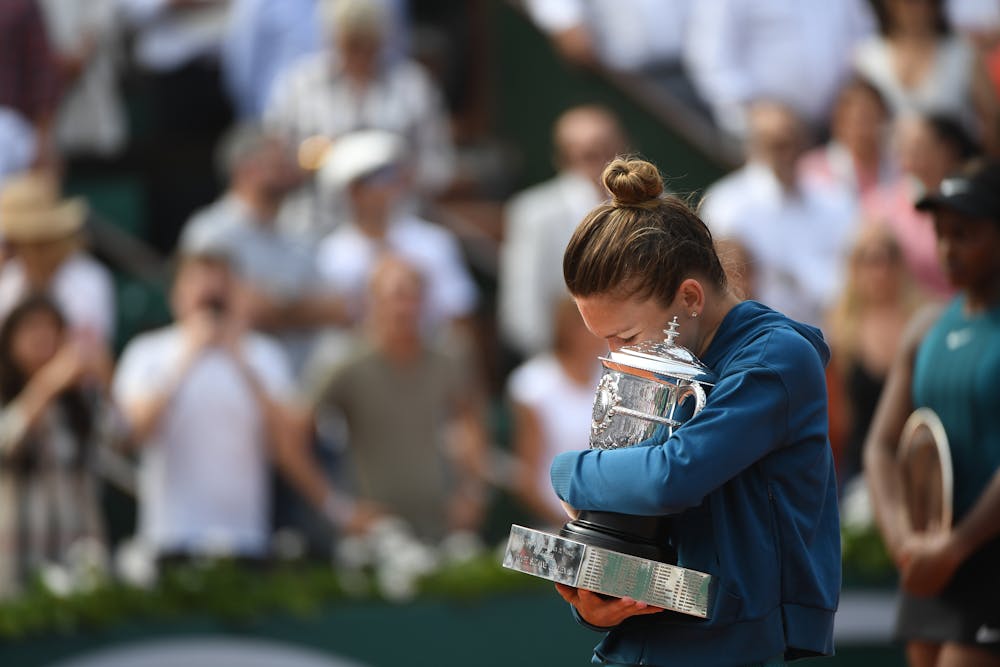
(691, 296)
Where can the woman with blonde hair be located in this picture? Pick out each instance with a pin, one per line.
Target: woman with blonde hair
(866, 324)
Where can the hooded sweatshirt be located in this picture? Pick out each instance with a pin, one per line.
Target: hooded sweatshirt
(750, 481)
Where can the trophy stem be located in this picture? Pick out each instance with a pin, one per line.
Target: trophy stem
(643, 536)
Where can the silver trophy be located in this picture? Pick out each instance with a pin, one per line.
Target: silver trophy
(646, 391)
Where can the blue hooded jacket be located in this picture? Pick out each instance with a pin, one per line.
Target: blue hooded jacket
(751, 482)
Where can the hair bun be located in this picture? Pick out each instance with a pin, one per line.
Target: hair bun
(632, 182)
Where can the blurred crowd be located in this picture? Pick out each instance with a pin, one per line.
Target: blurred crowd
(330, 364)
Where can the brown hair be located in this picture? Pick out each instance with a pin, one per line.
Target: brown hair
(643, 243)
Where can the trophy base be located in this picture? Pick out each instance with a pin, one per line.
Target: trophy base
(594, 568)
(642, 536)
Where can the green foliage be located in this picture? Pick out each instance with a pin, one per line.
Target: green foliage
(866, 563)
(234, 592)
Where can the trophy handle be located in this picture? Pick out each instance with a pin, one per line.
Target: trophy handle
(693, 389)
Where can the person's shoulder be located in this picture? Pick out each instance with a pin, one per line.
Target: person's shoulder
(342, 242)
(82, 266)
(921, 323)
(762, 336)
(151, 343)
(532, 378)
(410, 73)
(414, 230)
(261, 346)
(307, 69)
(536, 194)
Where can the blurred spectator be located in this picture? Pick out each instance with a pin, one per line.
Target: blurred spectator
(865, 327)
(927, 149)
(739, 267)
(856, 156)
(263, 38)
(796, 232)
(739, 51)
(43, 235)
(86, 37)
(540, 220)
(552, 396)
(919, 64)
(206, 395)
(173, 34)
(52, 408)
(413, 412)
(352, 87)
(373, 168)
(620, 34)
(176, 47)
(17, 144)
(279, 272)
(977, 19)
(30, 79)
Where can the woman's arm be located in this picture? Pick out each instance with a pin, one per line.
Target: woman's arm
(894, 407)
(23, 413)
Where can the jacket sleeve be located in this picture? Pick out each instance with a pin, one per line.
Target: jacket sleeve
(746, 417)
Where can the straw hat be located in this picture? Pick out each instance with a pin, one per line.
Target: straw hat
(31, 210)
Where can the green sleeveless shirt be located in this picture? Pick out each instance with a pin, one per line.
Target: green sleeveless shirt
(957, 374)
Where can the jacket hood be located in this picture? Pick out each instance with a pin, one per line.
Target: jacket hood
(744, 322)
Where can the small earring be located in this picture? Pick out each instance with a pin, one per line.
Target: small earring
(694, 313)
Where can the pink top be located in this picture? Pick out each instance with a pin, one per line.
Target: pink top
(893, 206)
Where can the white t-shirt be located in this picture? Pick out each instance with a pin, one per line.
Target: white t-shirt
(82, 288)
(563, 408)
(798, 242)
(346, 258)
(203, 476)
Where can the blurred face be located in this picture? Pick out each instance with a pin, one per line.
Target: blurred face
(587, 141)
(859, 121)
(878, 265)
(359, 53)
(776, 140)
(374, 196)
(620, 322)
(969, 249)
(272, 171)
(42, 255)
(398, 298)
(912, 16)
(921, 154)
(35, 341)
(202, 285)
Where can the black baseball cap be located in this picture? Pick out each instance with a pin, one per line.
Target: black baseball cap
(975, 191)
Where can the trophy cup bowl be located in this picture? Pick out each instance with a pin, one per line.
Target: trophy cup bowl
(646, 391)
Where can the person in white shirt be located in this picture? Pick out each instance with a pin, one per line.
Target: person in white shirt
(352, 87)
(87, 36)
(628, 35)
(209, 404)
(799, 52)
(372, 168)
(796, 231)
(43, 234)
(540, 220)
(279, 273)
(552, 400)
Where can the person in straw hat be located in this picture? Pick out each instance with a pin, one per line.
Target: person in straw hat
(42, 236)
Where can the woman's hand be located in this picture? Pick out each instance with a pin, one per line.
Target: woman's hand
(571, 511)
(927, 562)
(603, 612)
